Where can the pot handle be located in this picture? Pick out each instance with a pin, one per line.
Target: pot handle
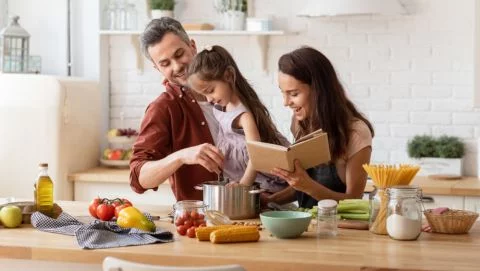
(257, 191)
(198, 187)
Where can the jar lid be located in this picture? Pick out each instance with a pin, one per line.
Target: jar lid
(43, 165)
(218, 218)
(327, 204)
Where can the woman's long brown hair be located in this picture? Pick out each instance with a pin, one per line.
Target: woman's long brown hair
(212, 64)
(334, 112)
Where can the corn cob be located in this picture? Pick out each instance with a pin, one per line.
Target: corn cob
(235, 234)
(203, 233)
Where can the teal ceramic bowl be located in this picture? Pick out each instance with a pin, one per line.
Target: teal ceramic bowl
(286, 224)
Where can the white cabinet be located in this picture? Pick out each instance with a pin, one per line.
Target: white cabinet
(86, 191)
(472, 204)
(452, 202)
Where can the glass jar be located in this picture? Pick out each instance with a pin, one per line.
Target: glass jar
(404, 214)
(378, 211)
(121, 15)
(131, 17)
(189, 213)
(327, 218)
(109, 17)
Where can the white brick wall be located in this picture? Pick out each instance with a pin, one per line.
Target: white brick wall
(409, 74)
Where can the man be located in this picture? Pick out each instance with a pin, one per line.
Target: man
(175, 140)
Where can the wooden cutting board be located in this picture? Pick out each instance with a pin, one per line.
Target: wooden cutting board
(353, 224)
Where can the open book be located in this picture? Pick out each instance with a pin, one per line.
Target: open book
(311, 150)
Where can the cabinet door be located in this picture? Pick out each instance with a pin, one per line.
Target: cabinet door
(472, 204)
(452, 202)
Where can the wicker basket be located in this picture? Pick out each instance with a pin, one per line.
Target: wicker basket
(451, 221)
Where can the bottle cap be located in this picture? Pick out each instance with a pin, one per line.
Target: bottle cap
(327, 204)
(43, 165)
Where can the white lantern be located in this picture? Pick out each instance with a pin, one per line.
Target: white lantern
(14, 48)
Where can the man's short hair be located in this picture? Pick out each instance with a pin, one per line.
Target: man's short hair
(157, 28)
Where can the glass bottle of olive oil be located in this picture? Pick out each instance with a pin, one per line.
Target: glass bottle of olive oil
(44, 191)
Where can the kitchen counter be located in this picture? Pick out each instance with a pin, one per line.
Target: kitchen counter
(467, 186)
(350, 250)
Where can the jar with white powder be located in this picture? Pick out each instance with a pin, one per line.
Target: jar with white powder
(404, 213)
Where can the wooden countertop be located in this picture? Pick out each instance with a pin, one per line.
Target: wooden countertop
(467, 186)
(350, 250)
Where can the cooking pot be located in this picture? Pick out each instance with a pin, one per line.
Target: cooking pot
(236, 202)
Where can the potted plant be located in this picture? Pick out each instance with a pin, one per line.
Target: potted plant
(234, 13)
(161, 8)
(442, 155)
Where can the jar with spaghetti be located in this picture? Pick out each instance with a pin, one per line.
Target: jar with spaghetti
(385, 176)
(404, 213)
(378, 211)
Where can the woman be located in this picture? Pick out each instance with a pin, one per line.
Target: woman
(310, 87)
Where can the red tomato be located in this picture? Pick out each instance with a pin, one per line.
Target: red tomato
(200, 217)
(119, 208)
(126, 201)
(92, 208)
(180, 221)
(191, 232)
(182, 230)
(198, 222)
(188, 223)
(105, 211)
(186, 215)
(194, 214)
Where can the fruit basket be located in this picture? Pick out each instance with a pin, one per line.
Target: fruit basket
(451, 221)
(119, 152)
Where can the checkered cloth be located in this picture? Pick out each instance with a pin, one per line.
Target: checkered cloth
(99, 234)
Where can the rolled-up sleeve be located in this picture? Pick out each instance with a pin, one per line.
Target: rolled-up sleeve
(153, 142)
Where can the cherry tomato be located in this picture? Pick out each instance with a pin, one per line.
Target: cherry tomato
(186, 215)
(194, 214)
(92, 208)
(105, 211)
(191, 232)
(180, 221)
(182, 230)
(200, 217)
(188, 223)
(198, 222)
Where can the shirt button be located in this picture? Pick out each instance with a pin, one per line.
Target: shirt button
(203, 123)
(182, 88)
(180, 96)
(193, 100)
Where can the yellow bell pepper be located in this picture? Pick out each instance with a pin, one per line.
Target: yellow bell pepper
(131, 217)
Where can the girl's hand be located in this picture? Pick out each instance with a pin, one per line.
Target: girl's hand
(298, 179)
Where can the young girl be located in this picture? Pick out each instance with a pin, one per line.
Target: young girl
(310, 87)
(214, 74)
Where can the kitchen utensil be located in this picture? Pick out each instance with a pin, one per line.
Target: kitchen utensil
(286, 224)
(235, 201)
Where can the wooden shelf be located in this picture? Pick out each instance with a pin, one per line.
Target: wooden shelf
(204, 33)
(262, 38)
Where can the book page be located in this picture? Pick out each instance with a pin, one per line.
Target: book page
(266, 156)
(311, 152)
(308, 136)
